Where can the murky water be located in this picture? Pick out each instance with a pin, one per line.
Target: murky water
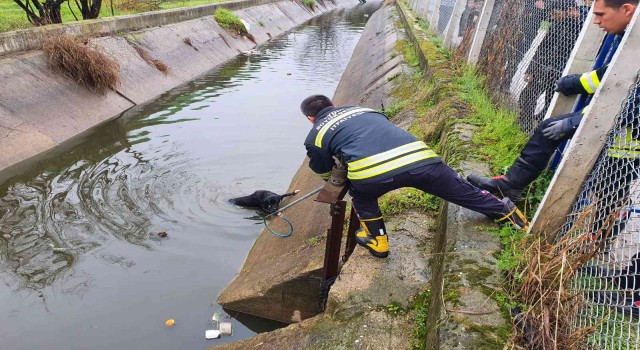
(81, 263)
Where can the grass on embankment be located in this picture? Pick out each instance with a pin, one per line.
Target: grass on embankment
(12, 17)
(444, 95)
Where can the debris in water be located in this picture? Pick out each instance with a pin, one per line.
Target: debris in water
(288, 73)
(170, 322)
(162, 234)
(212, 334)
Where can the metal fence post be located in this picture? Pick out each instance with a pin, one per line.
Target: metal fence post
(334, 240)
(590, 137)
(433, 21)
(481, 32)
(424, 9)
(453, 27)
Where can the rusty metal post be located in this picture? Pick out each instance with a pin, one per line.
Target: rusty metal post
(334, 240)
(350, 245)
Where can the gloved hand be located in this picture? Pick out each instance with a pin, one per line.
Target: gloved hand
(569, 85)
(557, 129)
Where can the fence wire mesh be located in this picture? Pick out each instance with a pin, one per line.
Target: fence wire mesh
(609, 207)
(445, 11)
(529, 43)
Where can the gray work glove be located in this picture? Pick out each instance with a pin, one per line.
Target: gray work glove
(556, 130)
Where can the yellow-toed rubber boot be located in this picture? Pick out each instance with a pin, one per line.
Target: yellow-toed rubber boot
(373, 236)
(514, 215)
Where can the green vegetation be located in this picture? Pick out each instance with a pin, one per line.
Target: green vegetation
(314, 240)
(455, 93)
(394, 308)
(499, 137)
(230, 21)
(309, 3)
(12, 17)
(396, 202)
(421, 305)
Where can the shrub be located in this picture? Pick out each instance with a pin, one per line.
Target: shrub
(230, 21)
(87, 66)
(309, 3)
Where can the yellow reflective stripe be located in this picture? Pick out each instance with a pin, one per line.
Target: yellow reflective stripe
(391, 165)
(618, 153)
(325, 176)
(345, 114)
(374, 219)
(381, 157)
(590, 81)
(625, 146)
(585, 110)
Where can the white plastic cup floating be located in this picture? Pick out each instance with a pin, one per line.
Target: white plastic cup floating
(226, 328)
(212, 334)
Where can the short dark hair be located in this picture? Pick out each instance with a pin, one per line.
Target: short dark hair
(616, 4)
(313, 104)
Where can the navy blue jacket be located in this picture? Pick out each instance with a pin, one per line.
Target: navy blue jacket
(364, 140)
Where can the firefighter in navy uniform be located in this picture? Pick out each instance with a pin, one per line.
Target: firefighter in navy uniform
(381, 157)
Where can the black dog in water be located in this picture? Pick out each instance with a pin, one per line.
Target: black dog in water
(266, 201)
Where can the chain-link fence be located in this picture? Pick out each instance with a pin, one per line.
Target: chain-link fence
(445, 11)
(527, 46)
(529, 43)
(608, 209)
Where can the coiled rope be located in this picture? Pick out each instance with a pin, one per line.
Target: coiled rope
(279, 213)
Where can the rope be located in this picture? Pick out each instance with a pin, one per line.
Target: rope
(277, 233)
(279, 213)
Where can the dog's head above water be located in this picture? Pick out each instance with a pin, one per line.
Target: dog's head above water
(266, 201)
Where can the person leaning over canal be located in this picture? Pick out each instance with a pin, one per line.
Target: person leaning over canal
(380, 157)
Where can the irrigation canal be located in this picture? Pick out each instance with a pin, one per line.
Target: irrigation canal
(83, 260)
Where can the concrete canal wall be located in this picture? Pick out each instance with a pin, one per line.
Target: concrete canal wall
(435, 290)
(41, 109)
(281, 278)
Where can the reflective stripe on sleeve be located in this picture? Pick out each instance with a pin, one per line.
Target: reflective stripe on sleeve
(325, 176)
(590, 81)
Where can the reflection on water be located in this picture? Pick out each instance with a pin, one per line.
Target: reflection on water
(81, 260)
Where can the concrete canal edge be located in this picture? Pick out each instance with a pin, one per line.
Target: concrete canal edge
(444, 262)
(41, 110)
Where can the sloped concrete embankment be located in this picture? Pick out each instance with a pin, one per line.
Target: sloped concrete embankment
(40, 110)
(444, 262)
(366, 303)
(281, 277)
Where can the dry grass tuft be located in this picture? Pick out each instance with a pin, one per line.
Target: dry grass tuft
(87, 66)
(161, 66)
(545, 288)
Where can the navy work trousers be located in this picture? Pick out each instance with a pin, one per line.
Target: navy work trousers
(437, 179)
(539, 149)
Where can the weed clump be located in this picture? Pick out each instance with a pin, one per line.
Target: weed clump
(161, 66)
(80, 62)
(231, 22)
(540, 275)
(309, 3)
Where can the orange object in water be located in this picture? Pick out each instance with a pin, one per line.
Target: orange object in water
(170, 322)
